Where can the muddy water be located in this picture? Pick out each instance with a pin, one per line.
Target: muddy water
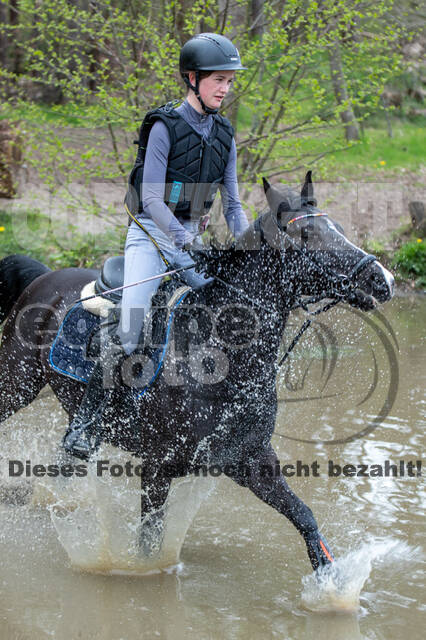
(241, 565)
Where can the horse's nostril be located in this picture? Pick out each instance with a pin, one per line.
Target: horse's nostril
(383, 282)
(378, 281)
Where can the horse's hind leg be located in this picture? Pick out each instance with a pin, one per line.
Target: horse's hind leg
(154, 492)
(21, 377)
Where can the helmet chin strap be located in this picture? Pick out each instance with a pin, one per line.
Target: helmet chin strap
(196, 90)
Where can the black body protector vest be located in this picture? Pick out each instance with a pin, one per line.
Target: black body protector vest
(195, 169)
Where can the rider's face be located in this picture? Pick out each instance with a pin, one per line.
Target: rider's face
(214, 87)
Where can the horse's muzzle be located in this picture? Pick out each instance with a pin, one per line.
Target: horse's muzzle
(378, 282)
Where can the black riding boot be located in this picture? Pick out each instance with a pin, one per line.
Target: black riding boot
(83, 437)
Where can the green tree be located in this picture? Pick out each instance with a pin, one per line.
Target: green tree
(105, 62)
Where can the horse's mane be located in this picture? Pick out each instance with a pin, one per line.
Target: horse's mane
(16, 273)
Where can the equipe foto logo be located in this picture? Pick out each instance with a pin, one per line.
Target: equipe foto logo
(340, 382)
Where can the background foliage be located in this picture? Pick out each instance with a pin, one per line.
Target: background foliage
(79, 75)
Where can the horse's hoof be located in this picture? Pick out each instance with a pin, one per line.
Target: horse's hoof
(77, 443)
(319, 551)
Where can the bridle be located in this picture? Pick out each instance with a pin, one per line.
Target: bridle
(343, 287)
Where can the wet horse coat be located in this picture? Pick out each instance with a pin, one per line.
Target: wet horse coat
(214, 402)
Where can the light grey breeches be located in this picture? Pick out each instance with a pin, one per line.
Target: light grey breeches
(143, 260)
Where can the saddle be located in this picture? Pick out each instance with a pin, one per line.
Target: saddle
(111, 277)
(77, 343)
(106, 305)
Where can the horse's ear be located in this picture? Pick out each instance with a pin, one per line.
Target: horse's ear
(277, 198)
(307, 193)
(266, 185)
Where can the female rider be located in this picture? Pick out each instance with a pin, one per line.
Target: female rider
(190, 153)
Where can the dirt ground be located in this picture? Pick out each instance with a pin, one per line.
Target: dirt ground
(371, 207)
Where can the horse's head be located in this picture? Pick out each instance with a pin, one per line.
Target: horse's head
(327, 262)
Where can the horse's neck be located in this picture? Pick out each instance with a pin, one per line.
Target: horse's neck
(255, 312)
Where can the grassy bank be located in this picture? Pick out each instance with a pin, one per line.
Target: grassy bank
(34, 234)
(410, 262)
(378, 153)
(404, 253)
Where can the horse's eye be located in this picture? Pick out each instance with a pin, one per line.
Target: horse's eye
(304, 234)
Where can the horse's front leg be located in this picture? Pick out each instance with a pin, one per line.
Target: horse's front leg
(155, 487)
(263, 476)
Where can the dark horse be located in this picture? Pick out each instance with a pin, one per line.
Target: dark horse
(214, 401)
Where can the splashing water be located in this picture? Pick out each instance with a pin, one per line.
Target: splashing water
(97, 519)
(337, 587)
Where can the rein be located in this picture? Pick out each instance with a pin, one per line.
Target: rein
(306, 326)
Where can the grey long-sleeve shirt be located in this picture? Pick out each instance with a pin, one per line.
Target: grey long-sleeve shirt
(154, 178)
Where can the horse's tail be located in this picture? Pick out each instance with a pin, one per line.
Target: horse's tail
(16, 273)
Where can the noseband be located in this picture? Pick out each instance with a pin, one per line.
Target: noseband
(343, 286)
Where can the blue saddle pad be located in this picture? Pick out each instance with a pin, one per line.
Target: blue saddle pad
(68, 351)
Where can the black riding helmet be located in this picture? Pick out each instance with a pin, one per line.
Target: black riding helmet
(207, 52)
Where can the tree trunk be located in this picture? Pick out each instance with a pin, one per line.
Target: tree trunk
(418, 216)
(3, 38)
(10, 158)
(14, 50)
(341, 93)
(256, 24)
(257, 18)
